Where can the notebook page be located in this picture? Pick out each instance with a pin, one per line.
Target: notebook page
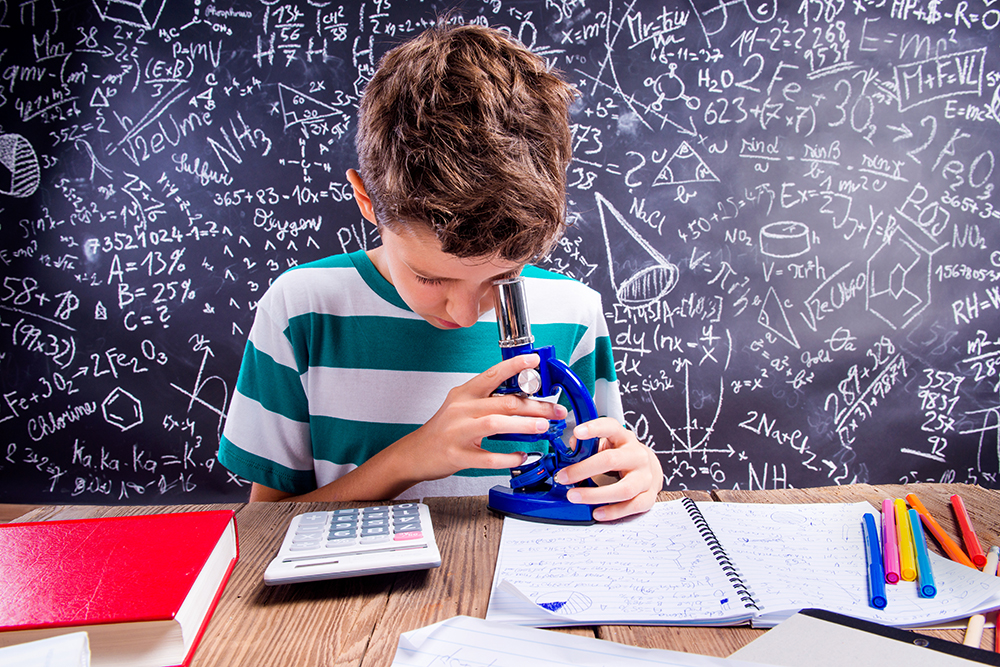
(462, 640)
(651, 568)
(813, 555)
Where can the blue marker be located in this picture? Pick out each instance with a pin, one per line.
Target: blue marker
(925, 578)
(873, 554)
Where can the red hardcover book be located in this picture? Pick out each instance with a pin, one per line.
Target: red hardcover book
(142, 587)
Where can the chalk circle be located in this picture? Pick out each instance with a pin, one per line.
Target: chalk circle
(649, 284)
(564, 602)
(20, 174)
(785, 239)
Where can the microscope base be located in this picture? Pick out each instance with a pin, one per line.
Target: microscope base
(548, 506)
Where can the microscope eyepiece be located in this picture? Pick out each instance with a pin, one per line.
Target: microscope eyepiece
(511, 309)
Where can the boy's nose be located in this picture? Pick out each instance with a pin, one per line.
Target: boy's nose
(465, 308)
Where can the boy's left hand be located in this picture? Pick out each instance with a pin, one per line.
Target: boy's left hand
(619, 451)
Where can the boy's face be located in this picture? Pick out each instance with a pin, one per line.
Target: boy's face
(447, 291)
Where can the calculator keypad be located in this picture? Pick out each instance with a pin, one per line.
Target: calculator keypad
(350, 542)
(347, 528)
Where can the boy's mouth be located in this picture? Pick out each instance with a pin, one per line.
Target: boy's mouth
(445, 324)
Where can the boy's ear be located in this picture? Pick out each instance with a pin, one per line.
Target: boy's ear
(361, 196)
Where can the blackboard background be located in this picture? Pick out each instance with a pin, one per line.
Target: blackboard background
(789, 208)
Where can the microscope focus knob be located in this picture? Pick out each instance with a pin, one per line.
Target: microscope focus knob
(530, 381)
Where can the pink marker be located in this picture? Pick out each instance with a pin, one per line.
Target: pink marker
(890, 550)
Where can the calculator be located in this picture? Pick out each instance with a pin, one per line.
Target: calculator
(333, 544)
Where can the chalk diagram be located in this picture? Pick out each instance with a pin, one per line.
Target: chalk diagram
(20, 173)
(647, 103)
(713, 15)
(301, 109)
(122, 409)
(139, 14)
(200, 384)
(685, 166)
(990, 426)
(781, 240)
(899, 279)
(649, 283)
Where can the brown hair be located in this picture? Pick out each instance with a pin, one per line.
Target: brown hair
(463, 130)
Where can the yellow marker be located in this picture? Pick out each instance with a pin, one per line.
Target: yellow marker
(907, 557)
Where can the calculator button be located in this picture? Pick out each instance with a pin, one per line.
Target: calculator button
(406, 512)
(377, 508)
(375, 539)
(304, 547)
(343, 525)
(408, 535)
(405, 506)
(305, 529)
(304, 537)
(372, 523)
(344, 512)
(374, 530)
(342, 533)
(341, 542)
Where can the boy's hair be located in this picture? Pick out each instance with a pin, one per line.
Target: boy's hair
(464, 131)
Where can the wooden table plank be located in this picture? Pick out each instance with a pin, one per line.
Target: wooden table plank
(468, 536)
(357, 622)
(9, 512)
(306, 624)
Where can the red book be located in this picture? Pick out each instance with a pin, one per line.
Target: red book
(142, 587)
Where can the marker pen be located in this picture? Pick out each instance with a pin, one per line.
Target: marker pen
(890, 545)
(907, 559)
(873, 556)
(925, 577)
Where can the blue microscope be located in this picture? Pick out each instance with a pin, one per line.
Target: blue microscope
(533, 493)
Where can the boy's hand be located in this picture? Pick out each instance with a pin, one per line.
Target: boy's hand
(641, 476)
(451, 440)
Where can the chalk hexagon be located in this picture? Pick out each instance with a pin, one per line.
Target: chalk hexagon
(122, 409)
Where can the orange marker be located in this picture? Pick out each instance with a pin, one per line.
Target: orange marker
(950, 547)
(968, 534)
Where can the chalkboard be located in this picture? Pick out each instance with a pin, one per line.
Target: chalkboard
(789, 209)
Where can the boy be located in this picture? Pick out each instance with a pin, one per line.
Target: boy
(363, 378)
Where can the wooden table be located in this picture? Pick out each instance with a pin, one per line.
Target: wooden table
(358, 621)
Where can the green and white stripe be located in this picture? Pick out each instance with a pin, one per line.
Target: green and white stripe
(337, 367)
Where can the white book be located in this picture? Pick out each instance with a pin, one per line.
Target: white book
(710, 563)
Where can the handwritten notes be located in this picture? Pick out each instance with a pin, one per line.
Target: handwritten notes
(709, 564)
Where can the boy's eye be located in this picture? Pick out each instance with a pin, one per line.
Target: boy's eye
(427, 281)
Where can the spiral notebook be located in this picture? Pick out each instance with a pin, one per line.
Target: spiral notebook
(708, 563)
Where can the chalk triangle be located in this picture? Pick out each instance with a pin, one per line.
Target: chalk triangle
(772, 316)
(685, 166)
(298, 108)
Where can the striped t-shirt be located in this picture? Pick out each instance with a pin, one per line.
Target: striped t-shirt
(337, 367)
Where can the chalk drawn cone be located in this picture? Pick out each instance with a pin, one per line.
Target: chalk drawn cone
(647, 284)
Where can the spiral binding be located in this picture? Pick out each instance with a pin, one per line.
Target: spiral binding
(731, 571)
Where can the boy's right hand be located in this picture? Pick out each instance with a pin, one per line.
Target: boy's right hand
(451, 440)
